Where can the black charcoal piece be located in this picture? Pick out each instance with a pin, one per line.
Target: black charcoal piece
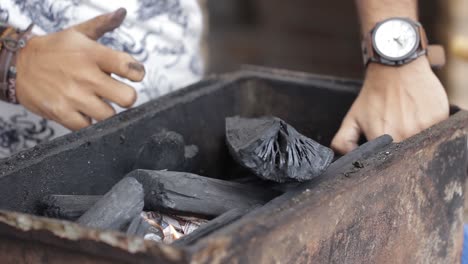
(141, 227)
(274, 150)
(117, 207)
(163, 151)
(213, 225)
(67, 207)
(346, 164)
(185, 193)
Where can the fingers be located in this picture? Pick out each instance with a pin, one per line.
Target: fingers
(109, 60)
(115, 91)
(70, 118)
(98, 26)
(96, 108)
(347, 137)
(119, 63)
(77, 112)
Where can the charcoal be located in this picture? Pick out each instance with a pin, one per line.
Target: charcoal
(166, 150)
(192, 159)
(211, 226)
(185, 193)
(274, 150)
(67, 207)
(348, 162)
(178, 192)
(163, 151)
(140, 226)
(117, 207)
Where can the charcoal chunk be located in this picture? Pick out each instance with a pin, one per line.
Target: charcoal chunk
(166, 150)
(117, 207)
(274, 150)
(186, 193)
(175, 193)
(163, 151)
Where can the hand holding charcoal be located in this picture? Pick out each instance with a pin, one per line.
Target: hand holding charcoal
(65, 76)
(399, 101)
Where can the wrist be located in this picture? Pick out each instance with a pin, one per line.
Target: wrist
(419, 63)
(12, 41)
(382, 78)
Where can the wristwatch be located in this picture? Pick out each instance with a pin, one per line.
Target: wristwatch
(398, 41)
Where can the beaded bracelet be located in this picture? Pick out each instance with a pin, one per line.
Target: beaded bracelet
(11, 41)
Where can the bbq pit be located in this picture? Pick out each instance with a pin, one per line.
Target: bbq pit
(382, 203)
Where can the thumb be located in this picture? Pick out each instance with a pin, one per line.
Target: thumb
(346, 139)
(98, 26)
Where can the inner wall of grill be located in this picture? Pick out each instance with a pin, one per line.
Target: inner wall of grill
(92, 161)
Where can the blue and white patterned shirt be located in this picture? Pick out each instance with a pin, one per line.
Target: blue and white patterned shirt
(162, 34)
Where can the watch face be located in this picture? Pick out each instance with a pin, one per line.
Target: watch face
(396, 39)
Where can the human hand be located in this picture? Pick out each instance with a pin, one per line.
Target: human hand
(399, 101)
(65, 76)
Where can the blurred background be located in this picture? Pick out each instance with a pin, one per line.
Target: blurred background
(323, 37)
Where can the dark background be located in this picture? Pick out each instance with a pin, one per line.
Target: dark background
(305, 35)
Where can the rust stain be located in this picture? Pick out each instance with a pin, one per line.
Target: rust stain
(215, 252)
(74, 232)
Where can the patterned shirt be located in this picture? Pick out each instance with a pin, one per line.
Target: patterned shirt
(162, 34)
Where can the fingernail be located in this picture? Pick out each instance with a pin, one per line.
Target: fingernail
(136, 67)
(118, 16)
(119, 12)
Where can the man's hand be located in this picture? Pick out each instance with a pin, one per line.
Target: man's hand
(65, 76)
(400, 101)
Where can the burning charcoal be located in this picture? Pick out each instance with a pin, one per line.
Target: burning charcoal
(185, 193)
(140, 226)
(211, 226)
(67, 207)
(274, 150)
(165, 151)
(117, 207)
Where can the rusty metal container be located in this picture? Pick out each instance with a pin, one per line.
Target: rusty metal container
(404, 205)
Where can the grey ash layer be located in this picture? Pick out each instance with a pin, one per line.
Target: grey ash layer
(274, 150)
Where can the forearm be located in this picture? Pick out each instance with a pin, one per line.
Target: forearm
(400, 99)
(374, 11)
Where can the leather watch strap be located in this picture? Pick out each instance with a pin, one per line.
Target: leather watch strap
(436, 55)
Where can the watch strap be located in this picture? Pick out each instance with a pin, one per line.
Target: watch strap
(436, 55)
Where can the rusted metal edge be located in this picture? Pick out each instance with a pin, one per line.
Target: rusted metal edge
(68, 235)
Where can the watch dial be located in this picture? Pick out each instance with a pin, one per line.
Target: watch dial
(396, 39)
